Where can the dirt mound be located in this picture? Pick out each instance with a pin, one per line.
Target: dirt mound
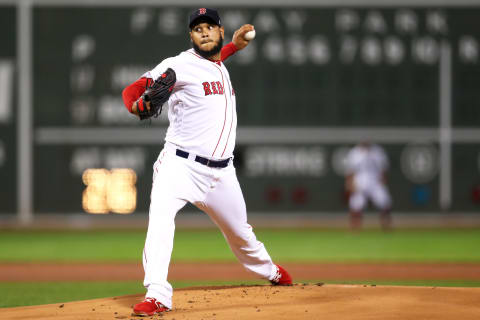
(312, 301)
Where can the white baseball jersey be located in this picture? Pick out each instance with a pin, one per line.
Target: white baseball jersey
(201, 109)
(367, 164)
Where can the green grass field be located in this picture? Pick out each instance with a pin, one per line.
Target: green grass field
(306, 245)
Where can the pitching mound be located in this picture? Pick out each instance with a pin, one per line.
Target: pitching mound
(313, 301)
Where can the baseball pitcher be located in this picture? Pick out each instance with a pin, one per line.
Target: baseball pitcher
(195, 164)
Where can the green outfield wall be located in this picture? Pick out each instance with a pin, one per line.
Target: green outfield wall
(318, 78)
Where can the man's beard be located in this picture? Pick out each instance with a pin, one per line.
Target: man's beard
(209, 53)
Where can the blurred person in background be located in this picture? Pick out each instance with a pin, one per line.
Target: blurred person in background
(365, 180)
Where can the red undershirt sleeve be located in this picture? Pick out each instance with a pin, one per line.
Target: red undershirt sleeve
(227, 51)
(131, 93)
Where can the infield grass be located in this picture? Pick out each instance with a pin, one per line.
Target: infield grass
(306, 245)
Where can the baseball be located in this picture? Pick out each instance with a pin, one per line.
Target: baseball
(249, 35)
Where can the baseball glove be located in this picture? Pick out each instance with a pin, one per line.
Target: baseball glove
(157, 94)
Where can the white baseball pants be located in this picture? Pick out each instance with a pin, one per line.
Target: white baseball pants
(376, 192)
(217, 192)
